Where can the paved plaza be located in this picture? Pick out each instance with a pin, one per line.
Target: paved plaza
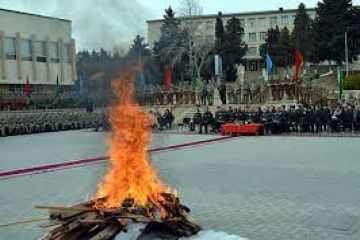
(264, 188)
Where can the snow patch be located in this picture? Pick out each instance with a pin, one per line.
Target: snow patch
(212, 235)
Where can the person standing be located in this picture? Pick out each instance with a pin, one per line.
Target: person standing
(230, 93)
(204, 95)
(169, 119)
(230, 115)
(207, 120)
(198, 121)
(357, 118)
(222, 92)
(210, 91)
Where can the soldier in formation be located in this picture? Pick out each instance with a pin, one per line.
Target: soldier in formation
(38, 122)
(277, 120)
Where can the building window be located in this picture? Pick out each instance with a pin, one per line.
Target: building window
(10, 48)
(252, 37)
(40, 51)
(251, 51)
(54, 52)
(67, 53)
(253, 66)
(263, 36)
(201, 26)
(26, 51)
(252, 22)
(273, 22)
(262, 22)
(210, 26)
(285, 20)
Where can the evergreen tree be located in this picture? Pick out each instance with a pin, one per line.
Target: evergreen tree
(234, 48)
(271, 45)
(169, 38)
(333, 19)
(301, 34)
(170, 47)
(286, 51)
(354, 32)
(139, 49)
(169, 18)
(219, 34)
(279, 46)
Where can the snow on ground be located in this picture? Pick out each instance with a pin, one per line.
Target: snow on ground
(213, 235)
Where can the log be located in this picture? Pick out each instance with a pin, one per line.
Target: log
(65, 209)
(84, 221)
(108, 233)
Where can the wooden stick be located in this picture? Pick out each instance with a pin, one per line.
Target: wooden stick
(65, 209)
(24, 222)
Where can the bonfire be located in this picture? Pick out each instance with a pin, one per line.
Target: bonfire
(131, 194)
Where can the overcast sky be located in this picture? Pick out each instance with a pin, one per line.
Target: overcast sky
(114, 23)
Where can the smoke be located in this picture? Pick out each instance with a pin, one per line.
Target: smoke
(111, 24)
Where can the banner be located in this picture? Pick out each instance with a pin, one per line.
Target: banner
(167, 79)
(269, 66)
(28, 88)
(299, 61)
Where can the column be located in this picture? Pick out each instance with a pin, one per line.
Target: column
(174, 99)
(18, 55)
(33, 53)
(47, 48)
(61, 57)
(73, 59)
(2, 57)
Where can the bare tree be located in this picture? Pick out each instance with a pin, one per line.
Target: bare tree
(190, 8)
(193, 43)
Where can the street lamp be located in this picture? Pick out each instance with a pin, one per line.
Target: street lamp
(347, 52)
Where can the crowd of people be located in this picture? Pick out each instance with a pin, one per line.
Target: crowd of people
(40, 100)
(276, 120)
(18, 123)
(162, 121)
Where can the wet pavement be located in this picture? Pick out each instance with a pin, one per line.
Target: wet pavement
(261, 188)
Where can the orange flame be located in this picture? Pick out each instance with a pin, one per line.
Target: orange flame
(131, 174)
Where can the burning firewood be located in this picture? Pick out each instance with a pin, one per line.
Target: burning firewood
(87, 221)
(131, 193)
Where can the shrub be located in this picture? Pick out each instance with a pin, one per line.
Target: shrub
(352, 82)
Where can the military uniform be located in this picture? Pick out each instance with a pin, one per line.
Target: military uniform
(198, 121)
(207, 120)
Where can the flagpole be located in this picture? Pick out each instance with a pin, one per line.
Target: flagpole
(296, 92)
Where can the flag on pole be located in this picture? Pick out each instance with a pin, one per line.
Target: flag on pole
(167, 79)
(140, 76)
(28, 88)
(269, 66)
(142, 82)
(81, 84)
(299, 61)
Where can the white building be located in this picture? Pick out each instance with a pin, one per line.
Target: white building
(255, 24)
(36, 47)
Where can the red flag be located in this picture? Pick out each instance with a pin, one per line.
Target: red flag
(299, 61)
(28, 87)
(167, 79)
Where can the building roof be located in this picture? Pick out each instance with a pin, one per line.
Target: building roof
(35, 15)
(236, 14)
